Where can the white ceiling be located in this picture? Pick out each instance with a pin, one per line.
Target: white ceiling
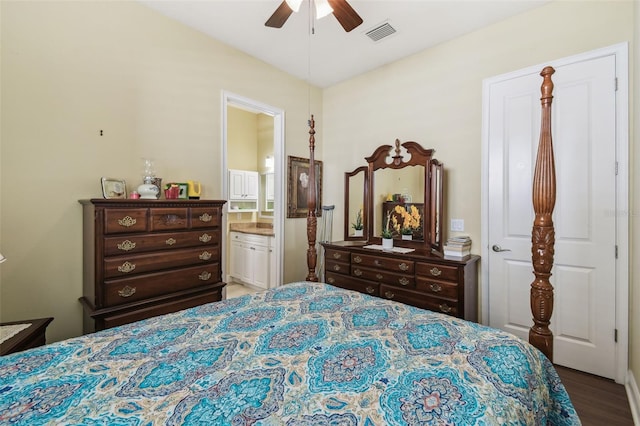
(331, 55)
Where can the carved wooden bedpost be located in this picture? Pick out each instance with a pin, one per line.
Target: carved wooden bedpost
(543, 234)
(312, 221)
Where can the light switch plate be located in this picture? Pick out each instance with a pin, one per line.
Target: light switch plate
(457, 225)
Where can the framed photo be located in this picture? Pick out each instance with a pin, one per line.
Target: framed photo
(114, 188)
(298, 187)
(183, 192)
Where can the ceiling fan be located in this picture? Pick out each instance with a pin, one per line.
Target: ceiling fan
(344, 13)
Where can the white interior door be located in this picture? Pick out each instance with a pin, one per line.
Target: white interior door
(584, 273)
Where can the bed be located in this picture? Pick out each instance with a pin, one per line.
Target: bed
(305, 353)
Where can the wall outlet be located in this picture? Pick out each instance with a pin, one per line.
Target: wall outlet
(457, 225)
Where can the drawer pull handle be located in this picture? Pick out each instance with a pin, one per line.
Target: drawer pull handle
(205, 238)
(126, 267)
(403, 266)
(403, 281)
(377, 262)
(379, 276)
(205, 255)
(445, 308)
(337, 255)
(389, 295)
(126, 245)
(127, 291)
(127, 221)
(206, 217)
(336, 268)
(330, 280)
(370, 290)
(204, 276)
(435, 287)
(170, 241)
(357, 259)
(435, 271)
(357, 272)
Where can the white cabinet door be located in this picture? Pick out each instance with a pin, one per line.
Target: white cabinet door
(272, 263)
(260, 265)
(246, 274)
(236, 184)
(237, 255)
(252, 185)
(269, 187)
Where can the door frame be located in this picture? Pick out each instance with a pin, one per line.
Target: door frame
(232, 99)
(621, 54)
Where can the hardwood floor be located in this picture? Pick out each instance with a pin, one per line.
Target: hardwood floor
(598, 401)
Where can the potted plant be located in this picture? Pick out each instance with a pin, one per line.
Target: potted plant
(358, 226)
(387, 234)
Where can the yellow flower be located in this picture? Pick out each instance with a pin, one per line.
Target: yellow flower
(410, 220)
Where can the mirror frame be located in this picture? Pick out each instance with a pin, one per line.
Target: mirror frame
(433, 190)
(365, 203)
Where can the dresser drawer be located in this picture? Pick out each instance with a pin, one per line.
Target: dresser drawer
(339, 267)
(441, 272)
(166, 219)
(338, 255)
(350, 283)
(420, 300)
(127, 290)
(383, 276)
(151, 262)
(139, 243)
(438, 288)
(205, 217)
(121, 318)
(125, 220)
(388, 263)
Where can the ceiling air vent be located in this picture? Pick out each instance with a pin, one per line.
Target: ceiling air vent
(380, 32)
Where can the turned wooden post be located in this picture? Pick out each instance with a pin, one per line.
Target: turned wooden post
(543, 234)
(312, 221)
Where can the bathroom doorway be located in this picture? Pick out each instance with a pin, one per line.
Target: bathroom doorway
(264, 155)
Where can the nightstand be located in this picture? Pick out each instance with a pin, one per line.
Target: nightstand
(31, 337)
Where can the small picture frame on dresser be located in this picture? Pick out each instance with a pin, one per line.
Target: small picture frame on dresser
(113, 188)
(183, 191)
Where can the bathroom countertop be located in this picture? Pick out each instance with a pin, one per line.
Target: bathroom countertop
(257, 228)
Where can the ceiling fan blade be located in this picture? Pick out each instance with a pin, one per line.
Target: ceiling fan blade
(280, 16)
(344, 13)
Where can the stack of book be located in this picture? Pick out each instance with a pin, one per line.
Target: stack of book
(459, 246)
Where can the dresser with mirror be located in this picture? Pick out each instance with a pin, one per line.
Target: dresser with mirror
(399, 181)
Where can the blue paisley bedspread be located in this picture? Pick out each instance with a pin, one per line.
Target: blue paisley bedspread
(302, 354)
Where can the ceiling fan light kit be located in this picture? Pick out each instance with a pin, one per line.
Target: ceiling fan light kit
(344, 13)
(294, 4)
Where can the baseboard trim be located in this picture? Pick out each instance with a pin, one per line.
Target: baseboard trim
(634, 397)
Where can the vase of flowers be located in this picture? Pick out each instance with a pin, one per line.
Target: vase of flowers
(409, 221)
(358, 225)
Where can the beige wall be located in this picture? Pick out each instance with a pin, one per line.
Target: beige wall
(435, 98)
(154, 87)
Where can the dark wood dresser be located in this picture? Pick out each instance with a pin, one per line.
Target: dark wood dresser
(144, 258)
(418, 278)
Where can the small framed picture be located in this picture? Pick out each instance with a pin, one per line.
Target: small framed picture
(114, 188)
(184, 190)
